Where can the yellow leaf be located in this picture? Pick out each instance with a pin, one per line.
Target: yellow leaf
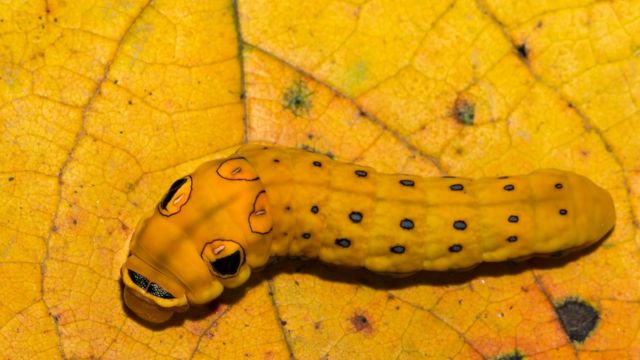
(103, 105)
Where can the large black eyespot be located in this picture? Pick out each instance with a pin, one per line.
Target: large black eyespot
(176, 197)
(148, 286)
(172, 191)
(228, 265)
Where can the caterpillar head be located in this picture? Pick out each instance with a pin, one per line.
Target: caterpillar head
(195, 242)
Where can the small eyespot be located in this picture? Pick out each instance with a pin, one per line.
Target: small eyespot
(306, 235)
(563, 211)
(276, 160)
(509, 187)
(398, 249)
(455, 248)
(459, 225)
(456, 187)
(558, 186)
(355, 216)
(512, 238)
(317, 164)
(407, 182)
(342, 242)
(361, 173)
(407, 224)
(513, 219)
(315, 209)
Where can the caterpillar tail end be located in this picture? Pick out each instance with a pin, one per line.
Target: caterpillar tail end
(604, 213)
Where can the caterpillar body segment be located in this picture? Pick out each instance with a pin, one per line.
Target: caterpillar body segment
(231, 215)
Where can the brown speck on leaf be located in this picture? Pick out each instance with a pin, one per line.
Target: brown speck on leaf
(464, 111)
(523, 51)
(361, 322)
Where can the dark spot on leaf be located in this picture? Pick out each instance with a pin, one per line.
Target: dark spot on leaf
(464, 112)
(297, 98)
(523, 52)
(360, 322)
(130, 102)
(578, 318)
(11, 178)
(283, 322)
(515, 355)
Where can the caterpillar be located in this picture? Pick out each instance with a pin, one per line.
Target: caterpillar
(215, 226)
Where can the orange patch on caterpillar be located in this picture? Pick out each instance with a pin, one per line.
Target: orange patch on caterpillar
(237, 169)
(260, 217)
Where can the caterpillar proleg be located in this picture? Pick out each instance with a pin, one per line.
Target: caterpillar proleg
(231, 215)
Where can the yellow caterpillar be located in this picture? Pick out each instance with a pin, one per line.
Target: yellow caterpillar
(231, 215)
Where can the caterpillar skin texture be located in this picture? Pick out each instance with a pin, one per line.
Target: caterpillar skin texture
(231, 215)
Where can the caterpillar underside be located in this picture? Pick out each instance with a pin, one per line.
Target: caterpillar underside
(231, 215)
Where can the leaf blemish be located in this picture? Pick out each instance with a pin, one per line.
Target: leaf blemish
(578, 318)
(523, 52)
(361, 323)
(515, 355)
(464, 111)
(297, 98)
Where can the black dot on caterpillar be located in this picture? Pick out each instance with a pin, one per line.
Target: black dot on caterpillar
(455, 248)
(398, 249)
(223, 194)
(405, 182)
(459, 225)
(355, 216)
(342, 242)
(406, 224)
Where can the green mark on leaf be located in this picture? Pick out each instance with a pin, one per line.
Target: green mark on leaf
(297, 98)
(464, 112)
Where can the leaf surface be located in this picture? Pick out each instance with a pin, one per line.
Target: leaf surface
(102, 106)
